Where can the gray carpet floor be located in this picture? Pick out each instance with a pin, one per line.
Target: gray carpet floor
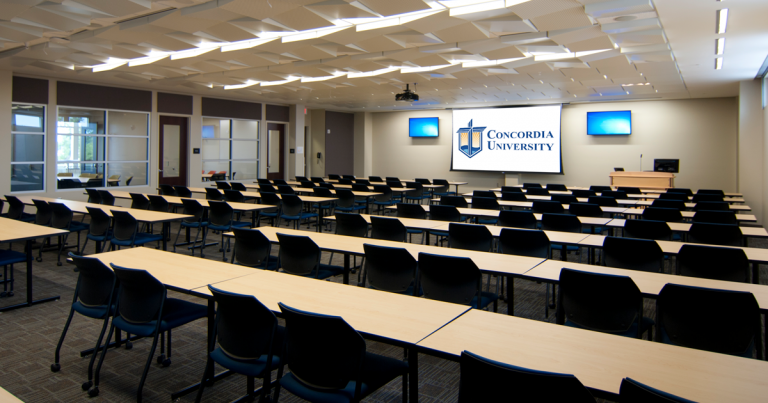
(28, 338)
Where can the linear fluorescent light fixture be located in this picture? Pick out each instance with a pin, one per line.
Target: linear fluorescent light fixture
(280, 82)
(322, 78)
(569, 55)
(238, 86)
(404, 18)
(408, 70)
(251, 43)
(183, 54)
(147, 60)
(311, 34)
(477, 8)
(373, 73)
(719, 63)
(719, 46)
(722, 21)
(111, 63)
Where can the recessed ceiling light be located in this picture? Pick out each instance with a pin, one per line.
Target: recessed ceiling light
(541, 81)
(718, 63)
(605, 77)
(625, 18)
(719, 46)
(627, 92)
(722, 21)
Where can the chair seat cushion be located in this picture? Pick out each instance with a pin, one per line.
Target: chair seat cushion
(490, 221)
(486, 298)
(100, 238)
(351, 208)
(96, 312)
(176, 312)
(233, 224)
(141, 239)
(645, 324)
(329, 271)
(571, 248)
(298, 217)
(377, 371)
(254, 367)
(78, 226)
(11, 257)
(196, 224)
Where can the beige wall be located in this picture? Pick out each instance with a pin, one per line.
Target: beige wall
(765, 154)
(751, 152)
(6, 80)
(316, 167)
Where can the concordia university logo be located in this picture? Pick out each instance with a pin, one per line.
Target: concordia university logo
(470, 140)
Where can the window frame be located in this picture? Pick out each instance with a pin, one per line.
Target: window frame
(44, 134)
(230, 139)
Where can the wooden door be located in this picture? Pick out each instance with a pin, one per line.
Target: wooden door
(173, 151)
(275, 144)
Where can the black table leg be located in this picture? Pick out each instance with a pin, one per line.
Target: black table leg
(413, 374)
(346, 269)
(510, 296)
(30, 300)
(166, 233)
(755, 273)
(320, 217)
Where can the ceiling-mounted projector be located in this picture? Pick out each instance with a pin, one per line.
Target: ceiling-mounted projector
(407, 95)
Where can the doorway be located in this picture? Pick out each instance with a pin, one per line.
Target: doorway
(275, 163)
(173, 151)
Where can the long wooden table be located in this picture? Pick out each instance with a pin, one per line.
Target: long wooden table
(689, 214)
(19, 231)
(600, 361)
(756, 232)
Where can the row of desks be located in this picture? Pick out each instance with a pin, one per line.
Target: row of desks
(651, 193)
(633, 201)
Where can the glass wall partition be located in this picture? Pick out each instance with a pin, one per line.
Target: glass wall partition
(231, 148)
(28, 147)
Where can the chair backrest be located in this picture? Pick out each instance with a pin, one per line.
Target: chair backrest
(280, 182)
(264, 181)
(158, 203)
(299, 255)
(686, 191)
(712, 206)
(323, 359)
(616, 194)
(61, 216)
(307, 184)
(375, 179)
(125, 226)
(716, 234)
(182, 191)
(423, 181)
(141, 296)
(325, 185)
(301, 179)
(344, 181)
(513, 196)
(106, 198)
(564, 199)
(44, 212)
(662, 214)
(633, 254)
(245, 328)
(632, 391)
(233, 196)
(100, 221)
(362, 182)
(449, 278)
(417, 189)
(15, 207)
(523, 242)
(444, 213)
(667, 203)
(359, 187)
(95, 281)
(720, 321)
(194, 208)
(139, 201)
(531, 185)
(252, 248)
(629, 190)
(484, 193)
(93, 196)
(213, 194)
(487, 203)
(351, 225)
(267, 187)
(334, 177)
(582, 301)
(603, 201)
(583, 193)
(270, 199)
(167, 190)
(485, 380)
(321, 191)
(585, 210)
(222, 185)
(469, 236)
(128, 181)
(239, 186)
(673, 196)
(517, 219)
(717, 217)
(346, 198)
(727, 264)
(285, 189)
(647, 229)
(710, 192)
(513, 189)
(405, 210)
(392, 178)
(560, 222)
(394, 184)
(348, 176)
(707, 198)
(547, 206)
(601, 189)
(220, 213)
(386, 193)
(537, 192)
(456, 201)
(390, 229)
(557, 186)
(389, 269)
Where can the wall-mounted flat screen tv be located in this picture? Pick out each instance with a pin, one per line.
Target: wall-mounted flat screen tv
(610, 123)
(423, 127)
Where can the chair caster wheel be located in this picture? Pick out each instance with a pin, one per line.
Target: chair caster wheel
(93, 392)
(10, 294)
(128, 345)
(39, 259)
(166, 363)
(58, 264)
(161, 358)
(55, 367)
(87, 385)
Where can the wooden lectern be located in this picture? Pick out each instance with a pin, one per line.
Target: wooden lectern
(650, 180)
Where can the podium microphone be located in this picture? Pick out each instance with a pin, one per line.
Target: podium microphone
(641, 162)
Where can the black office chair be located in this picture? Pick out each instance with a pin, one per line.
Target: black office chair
(349, 224)
(344, 181)
(585, 210)
(292, 210)
(725, 264)
(524, 242)
(347, 202)
(600, 189)
(375, 179)
(234, 196)
(326, 185)
(270, 199)
(16, 210)
(384, 199)
(415, 211)
(470, 237)
(616, 194)
(197, 220)
(307, 184)
(263, 181)
(213, 194)
(716, 234)
(443, 213)
(139, 201)
(632, 391)
(513, 189)
(221, 217)
(484, 193)
(531, 185)
(144, 309)
(716, 217)
(719, 321)
(582, 304)
(167, 190)
(443, 190)
(94, 298)
(106, 198)
(537, 192)
(562, 223)
(266, 188)
(673, 196)
(182, 191)
(7, 259)
(392, 178)
(301, 178)
(603, 201)
(517, 219)
(300, 256)
(280, 182)
(250, 342)
(125, 231)
(365, 182)
(710, 192)
(326, 206)
(486, 203)
(667, 203)
(390, 229)
(334, 177)
(564, 199)
(583, 193)
(485, 380)
(456, 201)
(633, 254)
(685, 191)
(547, 206)
(61, 218)
(647, 229)
(662, 214)
(98, 228)
(93, 196)
(712, 206)
(453, 279)
(629, 190)
(239, 186)
(328, 361)
(252, 249)
(513, 196)
(352, 177)
(390, 269)
(221, 185)
(416, 192)
(285, 190)
(557, 186)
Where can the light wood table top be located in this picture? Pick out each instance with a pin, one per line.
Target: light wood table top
(179, 272)
(686, 226)
(203, 202)
(139, 215)
(354, 192)
(401, 318)
(689, 214)
(407, 222)
(7, 397)
(485, 261)
(306, 199)
(554, 236)
(254, 193)
(464, 211)
(600, 360)
(742, 207)
(14, 230)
